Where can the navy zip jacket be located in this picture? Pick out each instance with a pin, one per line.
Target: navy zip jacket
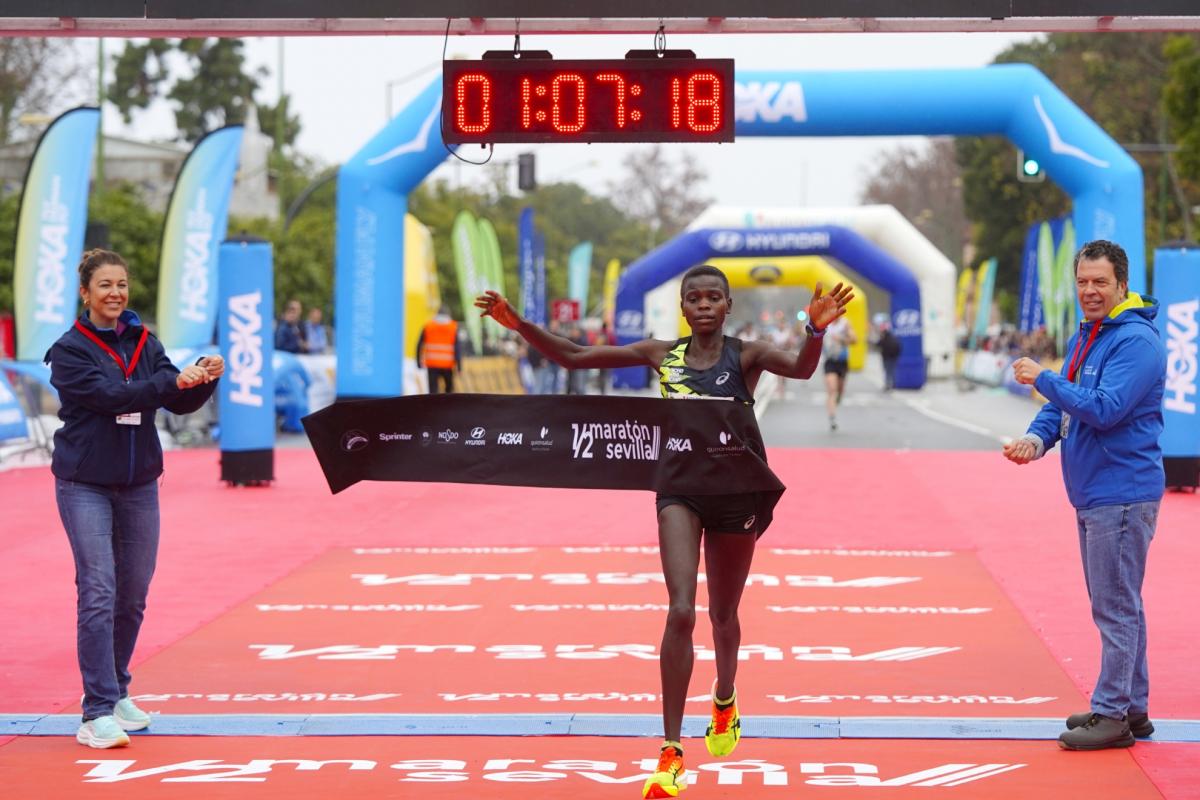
(91, 447)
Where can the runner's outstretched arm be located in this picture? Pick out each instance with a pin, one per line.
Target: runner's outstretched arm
(564, 352)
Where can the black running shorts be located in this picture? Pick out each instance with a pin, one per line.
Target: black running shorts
(718, 513)
(836, 367)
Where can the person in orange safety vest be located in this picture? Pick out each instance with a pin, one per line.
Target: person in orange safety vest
(438, 351)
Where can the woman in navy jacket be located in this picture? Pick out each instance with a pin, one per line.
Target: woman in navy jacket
(112, 376)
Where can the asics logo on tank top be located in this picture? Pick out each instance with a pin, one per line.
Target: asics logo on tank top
(724, 376)
(749, 522)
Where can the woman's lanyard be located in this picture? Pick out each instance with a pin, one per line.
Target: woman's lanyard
(1081, 352)
(137, 353)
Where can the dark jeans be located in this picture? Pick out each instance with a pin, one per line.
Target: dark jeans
(1113, 541)
(889, 373)
(441, 381)
(113, 532)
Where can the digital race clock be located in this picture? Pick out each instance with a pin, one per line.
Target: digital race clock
(534, 99)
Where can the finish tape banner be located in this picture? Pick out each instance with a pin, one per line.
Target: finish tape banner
(702, 448)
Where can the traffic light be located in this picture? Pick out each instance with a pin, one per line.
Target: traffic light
(1029, 170)
(526, 177)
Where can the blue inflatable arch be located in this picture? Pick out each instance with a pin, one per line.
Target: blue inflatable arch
(696, 247)
(1012, 100)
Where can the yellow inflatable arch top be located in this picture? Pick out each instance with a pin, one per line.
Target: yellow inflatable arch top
(754, 273)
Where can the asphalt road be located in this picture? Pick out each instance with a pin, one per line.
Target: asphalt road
(944, 415)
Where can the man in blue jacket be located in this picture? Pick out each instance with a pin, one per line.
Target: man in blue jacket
(1105, 407)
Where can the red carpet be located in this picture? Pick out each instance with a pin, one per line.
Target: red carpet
(222, 546)
(546, 631)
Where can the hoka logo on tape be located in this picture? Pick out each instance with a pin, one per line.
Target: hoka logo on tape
(769, 102)
(510, 438)
(679, 445)
(246, 349)
(1182, 331)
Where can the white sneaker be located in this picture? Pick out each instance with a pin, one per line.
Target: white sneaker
(129, 716)
(101, 733)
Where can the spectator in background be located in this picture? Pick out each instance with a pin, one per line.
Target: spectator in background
(315, 333)
(439, 351)
(577, 378)
(889, 351)
(289, 335)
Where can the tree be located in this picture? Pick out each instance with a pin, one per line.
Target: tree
(565, 213)
(1118, 80)
(8, 245)
(667, 195)
(217, 92)
(1181, 101)
(925, 185)
(37, 76)
(135, 232)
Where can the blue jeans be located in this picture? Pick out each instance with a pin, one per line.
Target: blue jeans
(113, 532)
(1113, 541)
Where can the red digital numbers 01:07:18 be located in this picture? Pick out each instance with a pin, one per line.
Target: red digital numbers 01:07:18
(610, 101)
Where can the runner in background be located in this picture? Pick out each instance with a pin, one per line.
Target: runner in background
(707, 364)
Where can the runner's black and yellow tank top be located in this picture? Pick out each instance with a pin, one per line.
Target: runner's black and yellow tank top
(723, 380)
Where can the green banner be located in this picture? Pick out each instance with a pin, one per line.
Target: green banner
(493, 268)
(468, 267)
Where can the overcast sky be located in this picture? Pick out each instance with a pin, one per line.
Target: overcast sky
(340, 89)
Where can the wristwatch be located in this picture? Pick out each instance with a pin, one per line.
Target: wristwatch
(812, 332)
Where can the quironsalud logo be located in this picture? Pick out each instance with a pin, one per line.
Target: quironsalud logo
(354, 440)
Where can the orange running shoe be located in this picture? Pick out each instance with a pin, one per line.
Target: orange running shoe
(669, 778)
(725, 730)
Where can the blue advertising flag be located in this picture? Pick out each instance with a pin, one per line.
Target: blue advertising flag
(539, 273)
(1030, 316)
(196, 220)
(525, 263)
(247, 302)
(1177, 288)
(50, 228)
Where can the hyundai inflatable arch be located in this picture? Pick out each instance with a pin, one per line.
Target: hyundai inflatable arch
(887, 228)
(665, 319)
(1012, 100)
(699, 246)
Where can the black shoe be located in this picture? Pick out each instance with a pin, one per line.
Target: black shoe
(1139, 724)
(1098, 733)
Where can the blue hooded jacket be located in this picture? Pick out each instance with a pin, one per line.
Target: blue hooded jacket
(91, 447)
(1111, 454)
